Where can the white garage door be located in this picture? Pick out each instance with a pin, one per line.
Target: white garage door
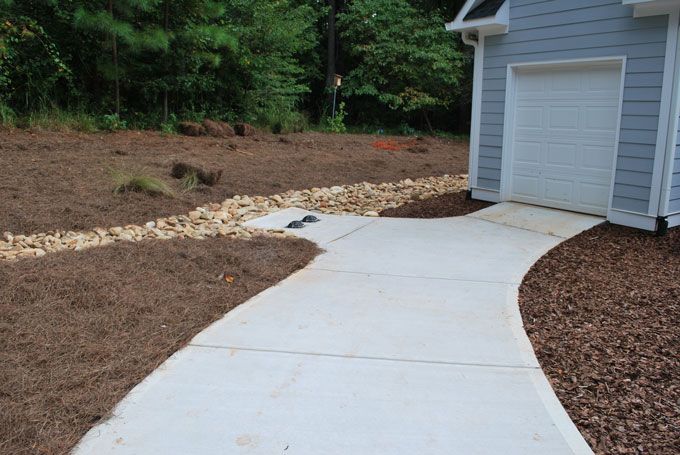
(564, 139)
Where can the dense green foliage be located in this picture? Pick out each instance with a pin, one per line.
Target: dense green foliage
(401, 57)
(150, 63)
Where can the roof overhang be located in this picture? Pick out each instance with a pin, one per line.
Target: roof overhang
(491, 25)
(644, 8)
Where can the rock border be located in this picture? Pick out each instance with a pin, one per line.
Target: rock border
(226, 219)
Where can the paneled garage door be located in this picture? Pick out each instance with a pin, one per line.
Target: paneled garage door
(565, 124)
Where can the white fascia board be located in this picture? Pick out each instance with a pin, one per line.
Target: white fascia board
(492, 25)
(453, 25)
(644, 8)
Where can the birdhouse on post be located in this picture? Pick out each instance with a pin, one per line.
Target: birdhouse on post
(337, 82)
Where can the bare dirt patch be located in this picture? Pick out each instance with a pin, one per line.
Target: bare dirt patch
(62, 180)
(602, 311)
(79, 330)
(452, 204)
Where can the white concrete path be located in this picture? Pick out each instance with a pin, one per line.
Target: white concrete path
(404, 337)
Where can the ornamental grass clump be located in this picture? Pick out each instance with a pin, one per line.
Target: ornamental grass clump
(135, 183)
(190, 181)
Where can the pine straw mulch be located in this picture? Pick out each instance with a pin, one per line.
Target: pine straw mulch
(79, 330)
(63, 180)
(602, 311)
(451, 204)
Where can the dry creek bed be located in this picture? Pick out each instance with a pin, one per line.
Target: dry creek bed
(226, 219)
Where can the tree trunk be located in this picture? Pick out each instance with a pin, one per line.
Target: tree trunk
(114, 50)
(427, 121)
(332, 47)
(166, 26)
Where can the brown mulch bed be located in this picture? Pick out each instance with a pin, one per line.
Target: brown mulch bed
(79, 330)
(452, 204)
(56, 180)
(603, 313)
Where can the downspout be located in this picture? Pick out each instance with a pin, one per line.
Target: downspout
(471, 38)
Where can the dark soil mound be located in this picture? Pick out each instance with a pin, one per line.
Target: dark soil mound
(244, 129)
(208, 178)
(417, 149)
(191, 129)
(217, 129)
(452, 204)
(227, 129)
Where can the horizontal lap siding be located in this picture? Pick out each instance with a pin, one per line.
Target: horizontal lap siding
(543, 30)
(675, 184)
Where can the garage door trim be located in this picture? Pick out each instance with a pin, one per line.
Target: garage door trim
(510, 105)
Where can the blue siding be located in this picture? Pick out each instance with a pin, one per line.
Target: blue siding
(543, 30)
(675, 185)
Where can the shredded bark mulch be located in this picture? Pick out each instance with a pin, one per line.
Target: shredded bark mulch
(603, 313)
(79, 329)
(62, 180)
(452, 204)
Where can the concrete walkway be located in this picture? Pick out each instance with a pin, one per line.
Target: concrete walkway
(404, 337)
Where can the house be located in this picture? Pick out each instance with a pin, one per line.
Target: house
(576, 106)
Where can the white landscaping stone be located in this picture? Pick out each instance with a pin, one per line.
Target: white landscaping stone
(364, 199)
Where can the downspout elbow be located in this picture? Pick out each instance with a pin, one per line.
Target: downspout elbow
(470, 38)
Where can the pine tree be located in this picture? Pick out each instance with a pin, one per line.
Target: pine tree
(197, 41)
(115, 21)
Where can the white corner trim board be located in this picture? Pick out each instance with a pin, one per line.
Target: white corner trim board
(662, 159)
(672, 128)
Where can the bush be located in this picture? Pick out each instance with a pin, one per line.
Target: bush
(401, 58)
(112, 122)
(281, 120)
(7, 116)
(337, 124)
(32, 72)
(169, 128)
(406, 130)
(137, 183)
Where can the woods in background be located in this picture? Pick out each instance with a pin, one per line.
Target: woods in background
(150, 63)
